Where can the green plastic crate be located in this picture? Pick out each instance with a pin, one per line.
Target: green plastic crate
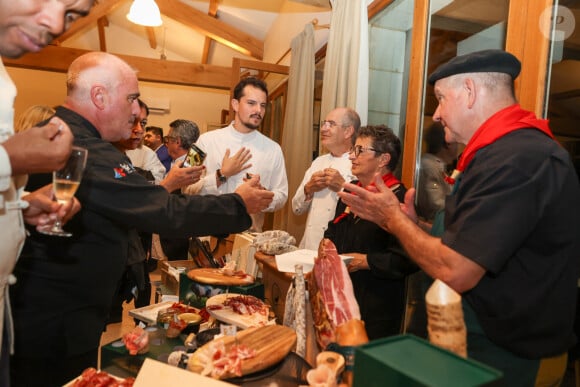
(409, 361)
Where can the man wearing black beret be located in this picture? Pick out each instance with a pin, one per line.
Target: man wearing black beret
(508, 238)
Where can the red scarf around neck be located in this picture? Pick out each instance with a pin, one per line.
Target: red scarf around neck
(390, 181)
(501, 123)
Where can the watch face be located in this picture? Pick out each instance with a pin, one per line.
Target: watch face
(221, 177)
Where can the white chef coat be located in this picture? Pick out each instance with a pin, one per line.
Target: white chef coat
(267, 161)
(323, 204)
(11, 220)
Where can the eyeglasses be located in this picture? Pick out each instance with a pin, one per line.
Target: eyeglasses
(330, 123)
(166, 139)
(358, 149)
(132, 98)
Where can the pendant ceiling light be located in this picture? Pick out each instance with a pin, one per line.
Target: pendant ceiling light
(145, 13)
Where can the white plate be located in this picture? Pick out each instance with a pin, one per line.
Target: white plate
(227, 315)
(148, 314)
(285, 262)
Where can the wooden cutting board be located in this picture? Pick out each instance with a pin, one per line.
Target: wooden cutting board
(211, 276)
(227, 314)
(272, 343)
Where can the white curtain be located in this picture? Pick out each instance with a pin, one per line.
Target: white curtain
(297, 135)
(346, 67)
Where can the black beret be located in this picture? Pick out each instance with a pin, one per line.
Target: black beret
(486, 61)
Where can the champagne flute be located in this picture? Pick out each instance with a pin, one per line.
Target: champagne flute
(65, 182)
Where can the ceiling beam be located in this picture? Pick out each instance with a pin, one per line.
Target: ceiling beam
(99, 10)
(215, 29)
(151, 37)
(377, 6)
(151, 70)
(101, 24)
(213, 8)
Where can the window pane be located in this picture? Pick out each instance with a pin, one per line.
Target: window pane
(456, 28)
(563, 97)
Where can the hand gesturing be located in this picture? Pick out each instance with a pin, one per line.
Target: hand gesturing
(235, 164)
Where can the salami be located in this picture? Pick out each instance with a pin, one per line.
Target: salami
(274, 242)
(295, 311)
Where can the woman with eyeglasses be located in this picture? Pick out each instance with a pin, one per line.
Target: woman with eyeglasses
(379, 265)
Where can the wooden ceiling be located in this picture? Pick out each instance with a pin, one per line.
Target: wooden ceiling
(58, 57)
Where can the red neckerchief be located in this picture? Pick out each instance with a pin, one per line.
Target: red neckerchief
(390, 181)
(501, 123)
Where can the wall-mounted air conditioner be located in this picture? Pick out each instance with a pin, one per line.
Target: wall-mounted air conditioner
(158, 105)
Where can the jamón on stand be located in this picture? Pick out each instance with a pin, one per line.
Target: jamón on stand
(336, 313)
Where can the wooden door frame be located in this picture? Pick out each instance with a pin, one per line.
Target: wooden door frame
(523, 39)
(416, 93)
(280, 91)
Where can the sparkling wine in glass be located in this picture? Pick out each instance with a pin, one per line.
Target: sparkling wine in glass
(65, 182)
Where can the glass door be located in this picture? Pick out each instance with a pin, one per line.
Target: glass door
(563, 81)
(456, 27)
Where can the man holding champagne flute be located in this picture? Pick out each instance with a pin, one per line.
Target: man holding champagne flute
(65, 182)
(67, 284)
(27, 26)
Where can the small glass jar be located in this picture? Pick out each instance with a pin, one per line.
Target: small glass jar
(164, 317)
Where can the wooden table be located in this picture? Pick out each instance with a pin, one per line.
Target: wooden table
(276, 284)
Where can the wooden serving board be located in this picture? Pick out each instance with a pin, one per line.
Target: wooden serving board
(211, 276)
(227, 314)
(272, 343)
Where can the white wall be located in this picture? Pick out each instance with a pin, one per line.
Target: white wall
(287, 25)
(388, 47)
(201, 105)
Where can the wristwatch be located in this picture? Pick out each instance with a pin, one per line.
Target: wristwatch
(220, 177)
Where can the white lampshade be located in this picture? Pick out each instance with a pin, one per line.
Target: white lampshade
(145, 13)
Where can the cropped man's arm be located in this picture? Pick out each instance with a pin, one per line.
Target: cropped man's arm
(434, 257)
(278, 184)
(5, 169)
(195, 188)
(153, 164)
(300, 201)
(208, 183)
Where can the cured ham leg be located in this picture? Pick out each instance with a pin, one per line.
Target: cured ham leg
(332, 299)
(334, 306)
(335, 284)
